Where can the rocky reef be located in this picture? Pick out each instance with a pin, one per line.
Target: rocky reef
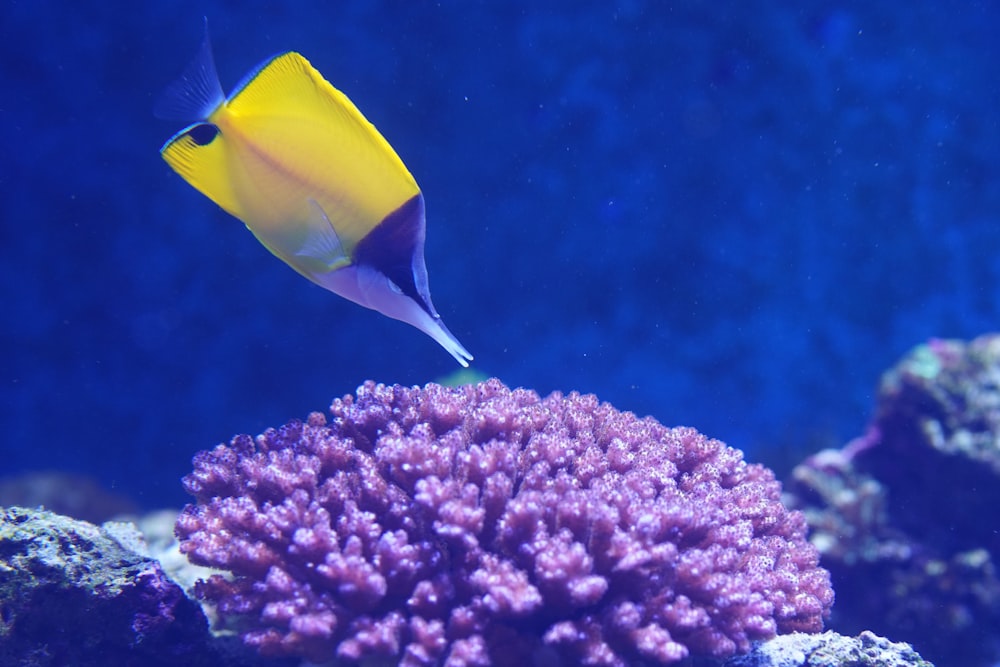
(905, 515)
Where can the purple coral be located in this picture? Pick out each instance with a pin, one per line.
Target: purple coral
(477, 525)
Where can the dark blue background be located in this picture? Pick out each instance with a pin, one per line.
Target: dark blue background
(730, 215)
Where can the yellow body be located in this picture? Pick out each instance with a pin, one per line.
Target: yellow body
(294, 159)
(288, 138)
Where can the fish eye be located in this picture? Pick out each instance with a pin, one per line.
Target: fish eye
(203, 134)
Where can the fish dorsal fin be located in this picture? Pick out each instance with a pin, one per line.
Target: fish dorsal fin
(197, 93)
(289, 112)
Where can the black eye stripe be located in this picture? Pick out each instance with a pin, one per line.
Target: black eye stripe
(203, 134)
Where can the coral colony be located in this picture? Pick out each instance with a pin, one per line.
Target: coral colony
(481, 525)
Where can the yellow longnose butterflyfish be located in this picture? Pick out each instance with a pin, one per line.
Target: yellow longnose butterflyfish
(293, 158)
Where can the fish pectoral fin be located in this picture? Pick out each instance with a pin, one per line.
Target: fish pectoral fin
(322, 244)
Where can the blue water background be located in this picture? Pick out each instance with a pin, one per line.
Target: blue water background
(731, 215)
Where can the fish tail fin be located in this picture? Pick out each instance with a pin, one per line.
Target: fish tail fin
(197, 93)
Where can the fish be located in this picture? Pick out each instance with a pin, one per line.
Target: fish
(312, 179)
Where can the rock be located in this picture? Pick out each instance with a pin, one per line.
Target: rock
(73, 594)
(829, 649)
